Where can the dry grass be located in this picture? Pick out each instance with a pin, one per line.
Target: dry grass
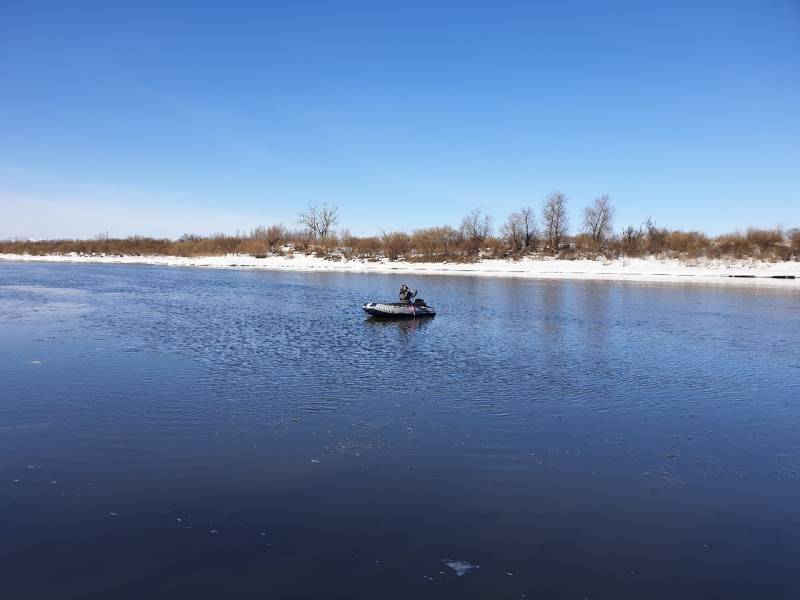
(693, 244)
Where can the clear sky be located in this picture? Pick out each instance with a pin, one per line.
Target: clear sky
(168, 117)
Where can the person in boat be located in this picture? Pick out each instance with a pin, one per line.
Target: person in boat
(406, 295)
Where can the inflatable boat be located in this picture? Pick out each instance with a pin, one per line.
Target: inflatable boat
(398, 310)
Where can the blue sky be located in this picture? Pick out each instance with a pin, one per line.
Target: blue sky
(166, 118)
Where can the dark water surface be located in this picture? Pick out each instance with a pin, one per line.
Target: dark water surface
(190, 433)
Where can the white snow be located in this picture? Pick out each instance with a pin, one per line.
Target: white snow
(724, 271)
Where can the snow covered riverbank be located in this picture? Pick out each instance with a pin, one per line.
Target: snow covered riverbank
(729, 272)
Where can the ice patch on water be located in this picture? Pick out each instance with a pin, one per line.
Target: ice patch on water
(461, 567)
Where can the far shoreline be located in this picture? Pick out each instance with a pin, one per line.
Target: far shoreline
(784, 275)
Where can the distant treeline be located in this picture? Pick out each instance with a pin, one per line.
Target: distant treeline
(524, 233)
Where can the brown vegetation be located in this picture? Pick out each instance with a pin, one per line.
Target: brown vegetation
(395, 244)
(473, 241)
(794, 241)
(436, 243)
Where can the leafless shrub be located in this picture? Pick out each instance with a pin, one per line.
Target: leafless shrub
(132, 246)
(765, 240)
(569, 252)
(346, 239)
(583, 244)
(255, 242)
(656, 237)
(275, 236)
(472, 242)
(435, 243)
(631, 240)
(688, 243)
(365, 247)
(299, 239)
(328, 246)
(732, 244)
(793, 236)
(494, 248)
(395, 244)
(258, 233)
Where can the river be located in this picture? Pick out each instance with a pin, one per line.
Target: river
(207, 433)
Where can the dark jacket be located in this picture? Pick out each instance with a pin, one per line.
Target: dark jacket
(406, 295)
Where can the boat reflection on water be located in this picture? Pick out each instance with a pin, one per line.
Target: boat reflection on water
(404, 325)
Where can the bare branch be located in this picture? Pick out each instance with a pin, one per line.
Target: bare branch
(476, 226)
(554, 220)
(598, 221)
(319, 219)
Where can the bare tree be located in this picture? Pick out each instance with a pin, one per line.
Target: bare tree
(598, 220)
(529, 231)
(476, 226)
(554, 220)
(519, 230)
(319, 219)
(512, 232)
